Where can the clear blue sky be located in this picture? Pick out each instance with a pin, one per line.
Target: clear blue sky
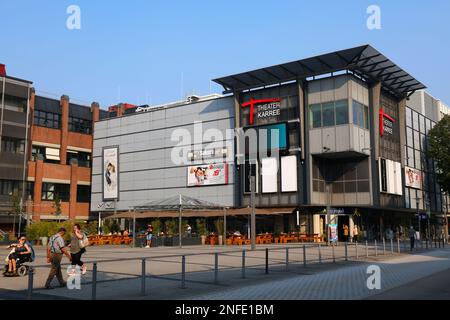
(155, 51)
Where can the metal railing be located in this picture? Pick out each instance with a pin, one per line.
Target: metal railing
(311, 254)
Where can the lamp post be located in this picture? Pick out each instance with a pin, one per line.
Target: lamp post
(327, 186)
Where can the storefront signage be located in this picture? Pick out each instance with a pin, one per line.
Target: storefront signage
(207, 154)
(386, 123)
(413, 178)
(265, 108)
(110, 173)
(207, 175)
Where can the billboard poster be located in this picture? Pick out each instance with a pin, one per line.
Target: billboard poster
(110, 173)
(413, 178)
(333, 232)
(207, 175)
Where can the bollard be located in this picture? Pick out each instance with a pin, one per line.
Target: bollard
(183, 272)
(30, 284)
(216, 268)
(287, 259)
(439, 243)
(304, 255)
(392, 247)
(356, 249)
(243, 264)
(320, 255)
(376, 248)
(143, 278)
(267, 260)
(398, 245)
(334, 257)
(94, 281)
(367, 249)
(384, 246)
(346, 251)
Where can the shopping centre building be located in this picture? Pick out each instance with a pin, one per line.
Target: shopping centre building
(347, 130)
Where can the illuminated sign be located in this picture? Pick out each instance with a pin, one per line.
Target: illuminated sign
(265, 108)
(386, 123)
(207, 175)
(413, 178)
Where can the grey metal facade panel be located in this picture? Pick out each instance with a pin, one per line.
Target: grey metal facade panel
(14, 116)
(147, 171)
(14, 131)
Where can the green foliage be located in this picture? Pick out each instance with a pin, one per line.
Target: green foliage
(156, 224)
(219, 225)
(171, 226)
(49, 228)
(439, 150)
(57, 206)
(201, 226)
(110, 226)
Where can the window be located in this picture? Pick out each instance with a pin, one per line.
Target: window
(83, 193)
(83, 158)
(48, 155)
(80, 125)
(47, 119)
(13, 145)
(50, 190)
(10, 187)
(315, 115)
(341, 112)
(360, 115)
(328, 114)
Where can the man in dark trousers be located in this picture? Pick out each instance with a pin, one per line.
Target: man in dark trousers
(412, 236)
(55, 251)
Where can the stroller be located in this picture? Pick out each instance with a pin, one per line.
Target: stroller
(21, 262)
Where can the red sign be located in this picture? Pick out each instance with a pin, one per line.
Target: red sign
(252, 103)
(383, 117)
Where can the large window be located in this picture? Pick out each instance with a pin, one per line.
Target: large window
(360, 115)
(83, 158)
(10, 187)
(47, 119)
(328, 114)
(50, 190)
(80, 125)
(13, 145)
(83, 193)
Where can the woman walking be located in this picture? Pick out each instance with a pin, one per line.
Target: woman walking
(78, 242)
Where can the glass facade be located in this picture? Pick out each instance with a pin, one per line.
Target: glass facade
(328, 114)
(47, 119)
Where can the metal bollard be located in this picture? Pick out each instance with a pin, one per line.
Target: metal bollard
(267, 260)
(376, 248)
(334, 257)
(439, 243)
(216, 268)
(183, 272)
(30, 284)
(384, 246)
(287, 259)
(94, 281)
(143, 274)
(356, 249)
(243, 264)
(367, 249)
(392, 247)
(346, 251)
(320, 254)
(398, 246)
(304, 255)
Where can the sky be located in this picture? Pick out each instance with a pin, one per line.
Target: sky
(155, 52)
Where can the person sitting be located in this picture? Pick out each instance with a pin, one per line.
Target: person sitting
(125, 233)
(20, 249)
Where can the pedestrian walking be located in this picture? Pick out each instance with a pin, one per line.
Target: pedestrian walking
(412, 236)
(355, 233)
(188, 230)
(149, 235)
(78, 244)
(55, 250)
(345, 227)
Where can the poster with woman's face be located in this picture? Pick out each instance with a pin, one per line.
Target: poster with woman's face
(211, 174)
(110, 173)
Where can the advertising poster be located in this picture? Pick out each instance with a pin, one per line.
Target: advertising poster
(333, 232)
(413, 178)
(207, 175)
(111, 173)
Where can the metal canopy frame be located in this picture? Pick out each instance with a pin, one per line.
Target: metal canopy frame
(364, 61)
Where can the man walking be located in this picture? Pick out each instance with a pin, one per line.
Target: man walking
(55, 251)
(412, 236)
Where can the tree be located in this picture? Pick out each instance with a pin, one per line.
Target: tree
(57, 205)
(439, 150)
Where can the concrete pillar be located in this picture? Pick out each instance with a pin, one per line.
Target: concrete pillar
(316, 224)
(351, 224)
(64, 129)
(73, 190)
(374, 113)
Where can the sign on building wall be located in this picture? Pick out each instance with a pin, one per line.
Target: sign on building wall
(413, 178)
(111, 173)
(207, 175)
(390, 176)
(386, 123)
(263, 108)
